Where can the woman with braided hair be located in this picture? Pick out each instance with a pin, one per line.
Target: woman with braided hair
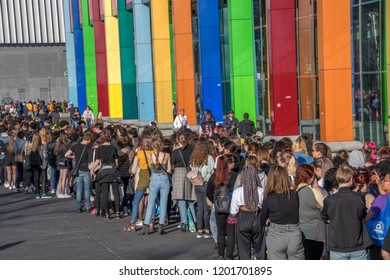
(246, 205)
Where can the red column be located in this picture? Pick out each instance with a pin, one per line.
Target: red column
(282, 67)
(101, 60)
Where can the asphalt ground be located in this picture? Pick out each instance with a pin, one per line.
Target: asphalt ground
(52, 229)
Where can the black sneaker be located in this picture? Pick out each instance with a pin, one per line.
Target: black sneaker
(79, 210)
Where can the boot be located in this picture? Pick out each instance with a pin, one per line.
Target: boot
(161, 229)
(144, 231)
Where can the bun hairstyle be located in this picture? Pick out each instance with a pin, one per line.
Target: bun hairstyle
(105, 136)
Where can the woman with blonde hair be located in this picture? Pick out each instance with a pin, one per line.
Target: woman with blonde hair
(10, 164)
(300, 152)
(280, 210)
(202, 162)
(288, 161)
(45, 135)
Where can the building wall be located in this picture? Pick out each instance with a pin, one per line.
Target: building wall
(24, 72)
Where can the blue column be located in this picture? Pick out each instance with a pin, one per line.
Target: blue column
(144, 62)
(70, 56)
(210, 56)
(79, 52)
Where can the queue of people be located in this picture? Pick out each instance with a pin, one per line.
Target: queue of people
(273, 200)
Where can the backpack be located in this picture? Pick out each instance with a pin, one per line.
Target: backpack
(222, 199)
(35, 158)
(379, 225)
(51, 159)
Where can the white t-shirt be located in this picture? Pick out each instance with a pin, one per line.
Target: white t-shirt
(238, 199)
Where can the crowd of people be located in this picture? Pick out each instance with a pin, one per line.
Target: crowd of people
(266, 200)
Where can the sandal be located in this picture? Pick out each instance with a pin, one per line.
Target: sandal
(130, 228)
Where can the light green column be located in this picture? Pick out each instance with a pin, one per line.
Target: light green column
(242, 60)
(90, 60)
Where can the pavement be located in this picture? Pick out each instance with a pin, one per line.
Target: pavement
(52, 229)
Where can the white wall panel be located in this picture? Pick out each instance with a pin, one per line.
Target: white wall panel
(24, 18)
(18, 21)
(32, 22)
(4, 6)
(1, 26)
(42, 13)
(61, 20)
(37, 22)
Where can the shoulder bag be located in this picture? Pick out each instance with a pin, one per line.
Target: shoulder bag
(75, 171)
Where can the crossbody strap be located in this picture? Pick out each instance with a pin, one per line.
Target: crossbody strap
(78, 164)
(182, 158)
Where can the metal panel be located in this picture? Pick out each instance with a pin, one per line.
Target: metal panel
(61, 21)
(1, 26)
(12, 23)
(37, 20)
(18, 22)
(7, 38)
(44, 26)
(50, 20)
(24, 18)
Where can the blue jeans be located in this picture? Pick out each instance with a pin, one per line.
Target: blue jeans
(53, 176)
(137, 198)
(159, 183)
(83, 181)
(183, 205)
(87, 123)
(356, 255)
(213, 224)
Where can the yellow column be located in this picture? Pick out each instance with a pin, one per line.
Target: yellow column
(113, 62)
(162, 60)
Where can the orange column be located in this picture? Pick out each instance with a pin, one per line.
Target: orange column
(334, 65)
(184, 57)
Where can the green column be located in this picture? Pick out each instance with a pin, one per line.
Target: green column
(172, 57)
(127, 56)
(90, 59)
(242, 60)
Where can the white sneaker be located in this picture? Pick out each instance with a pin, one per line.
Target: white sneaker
(139, 223)
(13, 186)
(53, 191)
(6, 185)
(66, 196)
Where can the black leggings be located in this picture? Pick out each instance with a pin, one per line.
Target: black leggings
(225, 230)
(105, 188)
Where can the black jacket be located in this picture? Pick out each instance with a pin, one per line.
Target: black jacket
(345, 212)
(228, 123)
(246, 127)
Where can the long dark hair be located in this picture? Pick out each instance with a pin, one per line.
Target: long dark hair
(222, 173)
(250, 182)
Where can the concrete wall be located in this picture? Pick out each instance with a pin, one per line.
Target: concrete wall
(24, 73)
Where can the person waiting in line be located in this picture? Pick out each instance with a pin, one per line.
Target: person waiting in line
(207, 124)
(321, 150)
(231, 123)
(223, 176)
(310, 221)
(246, 127)
(246, 205)
(345, 212)
(88, 116)
(280, 212)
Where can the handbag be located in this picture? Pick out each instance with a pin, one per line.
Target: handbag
(379, 225)
(75, 171)
(130, 187)
(195, 178)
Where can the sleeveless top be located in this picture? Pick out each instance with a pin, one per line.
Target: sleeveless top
(159, 168)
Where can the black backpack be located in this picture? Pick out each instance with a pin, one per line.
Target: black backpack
(222, 200)
(35, 158)
(51, 159)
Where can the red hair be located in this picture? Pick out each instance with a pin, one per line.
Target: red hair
(221, 175)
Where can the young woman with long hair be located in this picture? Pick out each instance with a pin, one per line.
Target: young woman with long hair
(280, 211)
(62, 163)
(202, 162)
(160, 167)
(246, 204)
(310, 213)
(223, 176)
(10, 163)
(33, 170)
(107, 176)
(45, 135)
(182, 189)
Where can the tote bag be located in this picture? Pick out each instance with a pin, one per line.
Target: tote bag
(379, 224)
